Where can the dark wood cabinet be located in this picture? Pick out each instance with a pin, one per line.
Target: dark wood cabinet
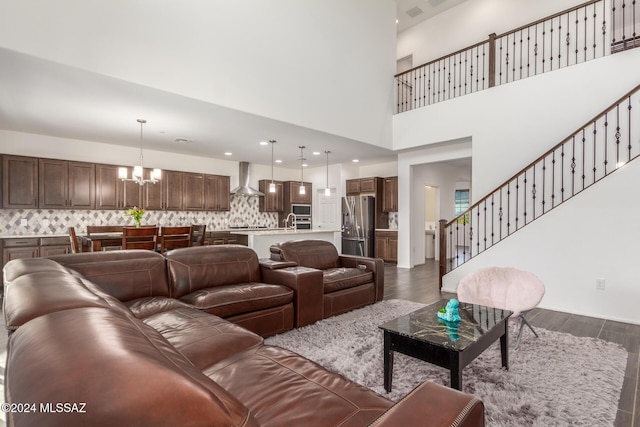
(66, 185)
(153, 194)
(172, 190)
(271, 202)
(390, 194)
(387, 245)
(112, 192)
(358, 186)
(30, 183)
(353, 187)
(217, 193)
(19, 182)
(292, 193)
(193, 191)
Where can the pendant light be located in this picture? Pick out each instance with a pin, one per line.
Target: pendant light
(138, 170)
(327, 190)
(302, 159)
(272, 186)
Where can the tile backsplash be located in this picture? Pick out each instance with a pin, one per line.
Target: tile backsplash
(393, 220)
(244, 212)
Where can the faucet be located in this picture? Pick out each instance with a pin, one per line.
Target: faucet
(293, 223)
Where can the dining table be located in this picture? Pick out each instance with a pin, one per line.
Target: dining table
(95, 242)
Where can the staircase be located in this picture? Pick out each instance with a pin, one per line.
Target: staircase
(605, 144)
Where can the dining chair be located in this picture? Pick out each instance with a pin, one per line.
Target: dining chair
(175, 237)
(73, 240)
(140, 238)
(198, 234)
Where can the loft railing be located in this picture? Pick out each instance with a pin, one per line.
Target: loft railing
(603, 145)
(588, 31)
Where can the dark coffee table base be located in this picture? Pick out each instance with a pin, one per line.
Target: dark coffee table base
(451, 359)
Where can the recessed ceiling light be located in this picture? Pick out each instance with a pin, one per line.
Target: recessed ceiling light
(264, 143)
(304, 165)
(228, 153)
(355, 160)
(316, 153)
(183, 140)
(278, 161)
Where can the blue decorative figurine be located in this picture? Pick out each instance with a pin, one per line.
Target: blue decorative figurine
(450, 312)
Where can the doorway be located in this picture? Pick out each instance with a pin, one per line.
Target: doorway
(430, 221)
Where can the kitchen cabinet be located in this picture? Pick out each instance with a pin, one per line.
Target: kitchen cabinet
(66, 185)
(271, 202)
(217, 193)
(387, 245)
(193, 191)
(172, 190)
(58, 245)
(390, 195)
(112, 192)
(19, 182)
(153, 194)
(292, 193)
(27, 247)
(216, 238)
(33, 247)
(360, 185)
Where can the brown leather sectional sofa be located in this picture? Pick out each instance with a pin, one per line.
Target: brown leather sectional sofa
(137, 338)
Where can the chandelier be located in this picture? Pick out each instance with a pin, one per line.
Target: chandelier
(138, 170)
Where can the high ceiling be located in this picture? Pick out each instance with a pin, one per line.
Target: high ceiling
(412, 12)
(42, 97)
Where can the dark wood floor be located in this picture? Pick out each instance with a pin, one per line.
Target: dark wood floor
(420, 284)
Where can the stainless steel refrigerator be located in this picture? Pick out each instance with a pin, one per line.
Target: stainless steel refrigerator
(358, 223)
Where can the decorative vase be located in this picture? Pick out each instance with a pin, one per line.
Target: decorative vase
(137, 220)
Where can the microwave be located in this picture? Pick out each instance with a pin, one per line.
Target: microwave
(302, 210)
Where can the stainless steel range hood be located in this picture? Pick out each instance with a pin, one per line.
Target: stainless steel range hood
(244, 189)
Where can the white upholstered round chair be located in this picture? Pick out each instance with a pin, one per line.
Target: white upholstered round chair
(506, 288)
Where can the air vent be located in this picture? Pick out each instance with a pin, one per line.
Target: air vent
(183, 141)
(414, 11)
(435, 3)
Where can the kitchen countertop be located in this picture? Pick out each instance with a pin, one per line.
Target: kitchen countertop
(30, 236)
(278, 231)
(387, 229)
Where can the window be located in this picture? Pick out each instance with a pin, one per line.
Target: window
(461, 201)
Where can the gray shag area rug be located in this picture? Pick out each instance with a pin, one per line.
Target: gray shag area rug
(555, 380)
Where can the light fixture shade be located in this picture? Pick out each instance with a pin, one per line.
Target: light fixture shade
(137, 171)
(123, 173)
(302, 190)
(327, 191)
(157, 174)
(272, 187)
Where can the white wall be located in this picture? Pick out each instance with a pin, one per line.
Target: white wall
(327, 65)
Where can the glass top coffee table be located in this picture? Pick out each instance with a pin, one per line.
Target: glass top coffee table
(423, 335)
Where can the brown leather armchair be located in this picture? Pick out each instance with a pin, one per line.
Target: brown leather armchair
(348, 282)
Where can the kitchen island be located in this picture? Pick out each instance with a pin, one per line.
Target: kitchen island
(261, 240)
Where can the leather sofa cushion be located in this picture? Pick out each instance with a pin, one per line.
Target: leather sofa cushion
(145, 307)
(19, 267)
(229, 300)
(203, 267)
(32, 295)
(121, 368)
(335, 279)
(126, 275)
(202, 338)
(318, 254)
(295, 391)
